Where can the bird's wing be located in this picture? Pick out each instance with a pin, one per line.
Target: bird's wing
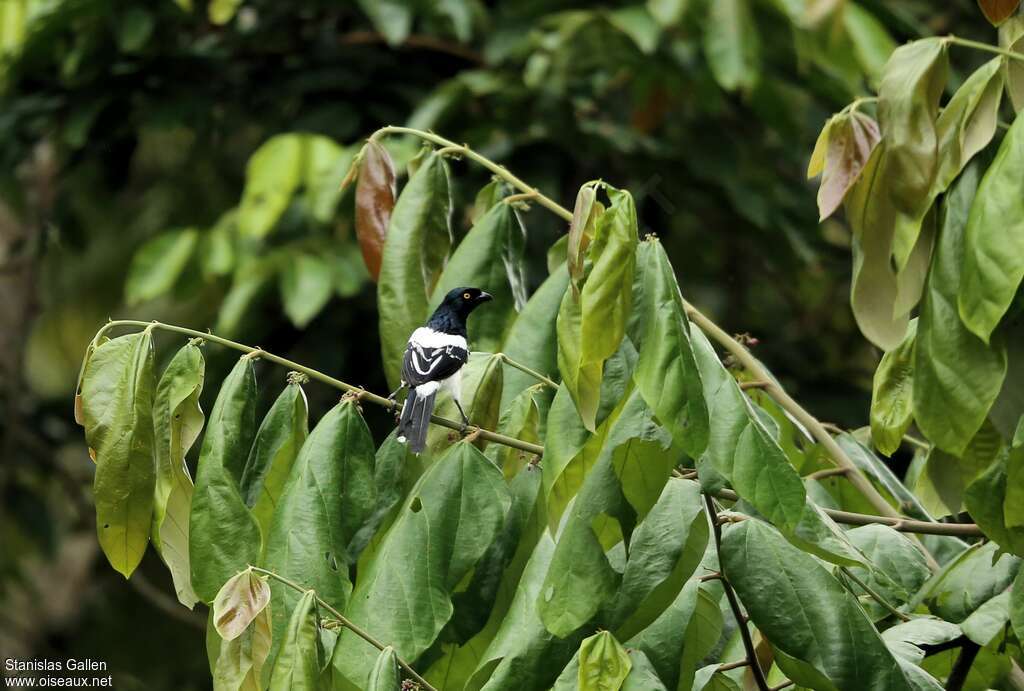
(422, 364)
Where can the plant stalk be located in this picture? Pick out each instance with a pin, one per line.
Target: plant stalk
(988, 48)
(345, 622)
(874, 595)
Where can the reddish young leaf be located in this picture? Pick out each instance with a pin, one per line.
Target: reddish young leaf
(851, 140)
(375, 199)
(998, 11)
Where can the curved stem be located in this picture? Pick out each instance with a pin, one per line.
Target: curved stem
(532, 372)
(499, 170)
(988, 48)
(874, 595)
(734, 604)
(362, 393)
(345, 622)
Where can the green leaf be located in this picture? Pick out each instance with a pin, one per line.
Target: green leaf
(393, 18)
(403, 594)
(638, 24)
(899, 569)
(989, 620)
(330, 493)
(604, 664)
(850, 137)
(217, 246)
(238, 603)
(907, 639)
(966, 583)
(687, 631)
(835, 642)
(419, 237)
(949, 476)
(663, 552)
(481, 384)
(642, 676)
(222, 11)
(307, 284)
(531, 337)
(590, 329)
(581, 232)
(157, 265)
(872, 43)
(892, 395)
(708, 678)
(297, 666)
(666, 372)
(375, 201)
(490, 257)
(985, 500)
(384, 676)
(117, 407)
(1017, 605)
(177, 422)
(732, 45)
(521, 420)
(272, 176)
(741, 449)
(640, 452)
(239, 662)
(224, 537)
(1011, 33)
(278, 440)
(667, 12)
(994, 241)
(957, 377)
(908, 104)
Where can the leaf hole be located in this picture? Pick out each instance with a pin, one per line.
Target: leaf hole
(106, 525)
(416, 505)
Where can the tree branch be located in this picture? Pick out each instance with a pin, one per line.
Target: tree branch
(730, 594)
(968, 651)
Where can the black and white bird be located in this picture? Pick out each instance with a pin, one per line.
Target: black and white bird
(433, 361)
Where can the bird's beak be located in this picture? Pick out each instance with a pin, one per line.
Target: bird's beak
(484, 297)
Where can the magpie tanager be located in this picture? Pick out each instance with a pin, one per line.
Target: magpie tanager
(433, 360)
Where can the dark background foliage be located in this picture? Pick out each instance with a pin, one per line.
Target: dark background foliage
(120, 120)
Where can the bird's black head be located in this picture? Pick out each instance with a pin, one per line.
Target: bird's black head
(450, 316)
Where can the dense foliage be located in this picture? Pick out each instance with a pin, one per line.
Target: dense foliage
(636, 510)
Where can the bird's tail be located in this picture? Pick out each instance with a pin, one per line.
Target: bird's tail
(412, 426)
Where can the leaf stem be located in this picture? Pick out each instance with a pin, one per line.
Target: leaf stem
(875, 595)
(532, 372)
(988, 48)
(345, 622)
(730, 594)
(321, 377)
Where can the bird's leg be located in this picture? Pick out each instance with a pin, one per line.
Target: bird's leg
(393, 396)
(465, 420)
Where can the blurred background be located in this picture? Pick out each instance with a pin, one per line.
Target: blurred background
(180, 160)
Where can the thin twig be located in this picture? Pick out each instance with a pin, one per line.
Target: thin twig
(988, 48)
(875, 595)
(366, 636)
(356, 38)
(784, 685)
(827, 472)
(732, 665)
(547, 381)
(747, 385)
(748, 643)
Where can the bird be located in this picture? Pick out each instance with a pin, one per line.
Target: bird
(433, 360)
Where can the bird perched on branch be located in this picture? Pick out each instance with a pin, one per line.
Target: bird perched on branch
(433, 360)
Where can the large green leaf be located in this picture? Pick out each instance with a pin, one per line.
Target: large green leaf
(403, 595)
(666, 372)
(117, 411)
(892, 395)
(989, 620)
(640, 452)
(419, 237)
(968, 122)
(969, 581)
(384, 675)
(945, 478)
(278, 440)
(985, 499)
(297, 666)
(224, 536)
(908, 105)
(531, 338)
(663, 552)
(591, 328)
(177, 422)
(741, 449)
(957, 377)
(329, 494)
(603, 663)
(1017, 605)
(994, 242)
(156, 266)
(835, 646)
(907, 639)
(899, 569)
(490, 257)
(732, 46)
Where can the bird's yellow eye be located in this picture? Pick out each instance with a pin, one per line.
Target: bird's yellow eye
(466, 296)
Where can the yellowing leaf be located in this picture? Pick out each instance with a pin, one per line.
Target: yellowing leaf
(604, 664)
(238, 602)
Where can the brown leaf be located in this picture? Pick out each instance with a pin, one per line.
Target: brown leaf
(998, 11)
(239, 601)
(375, 199)
(851, 139)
